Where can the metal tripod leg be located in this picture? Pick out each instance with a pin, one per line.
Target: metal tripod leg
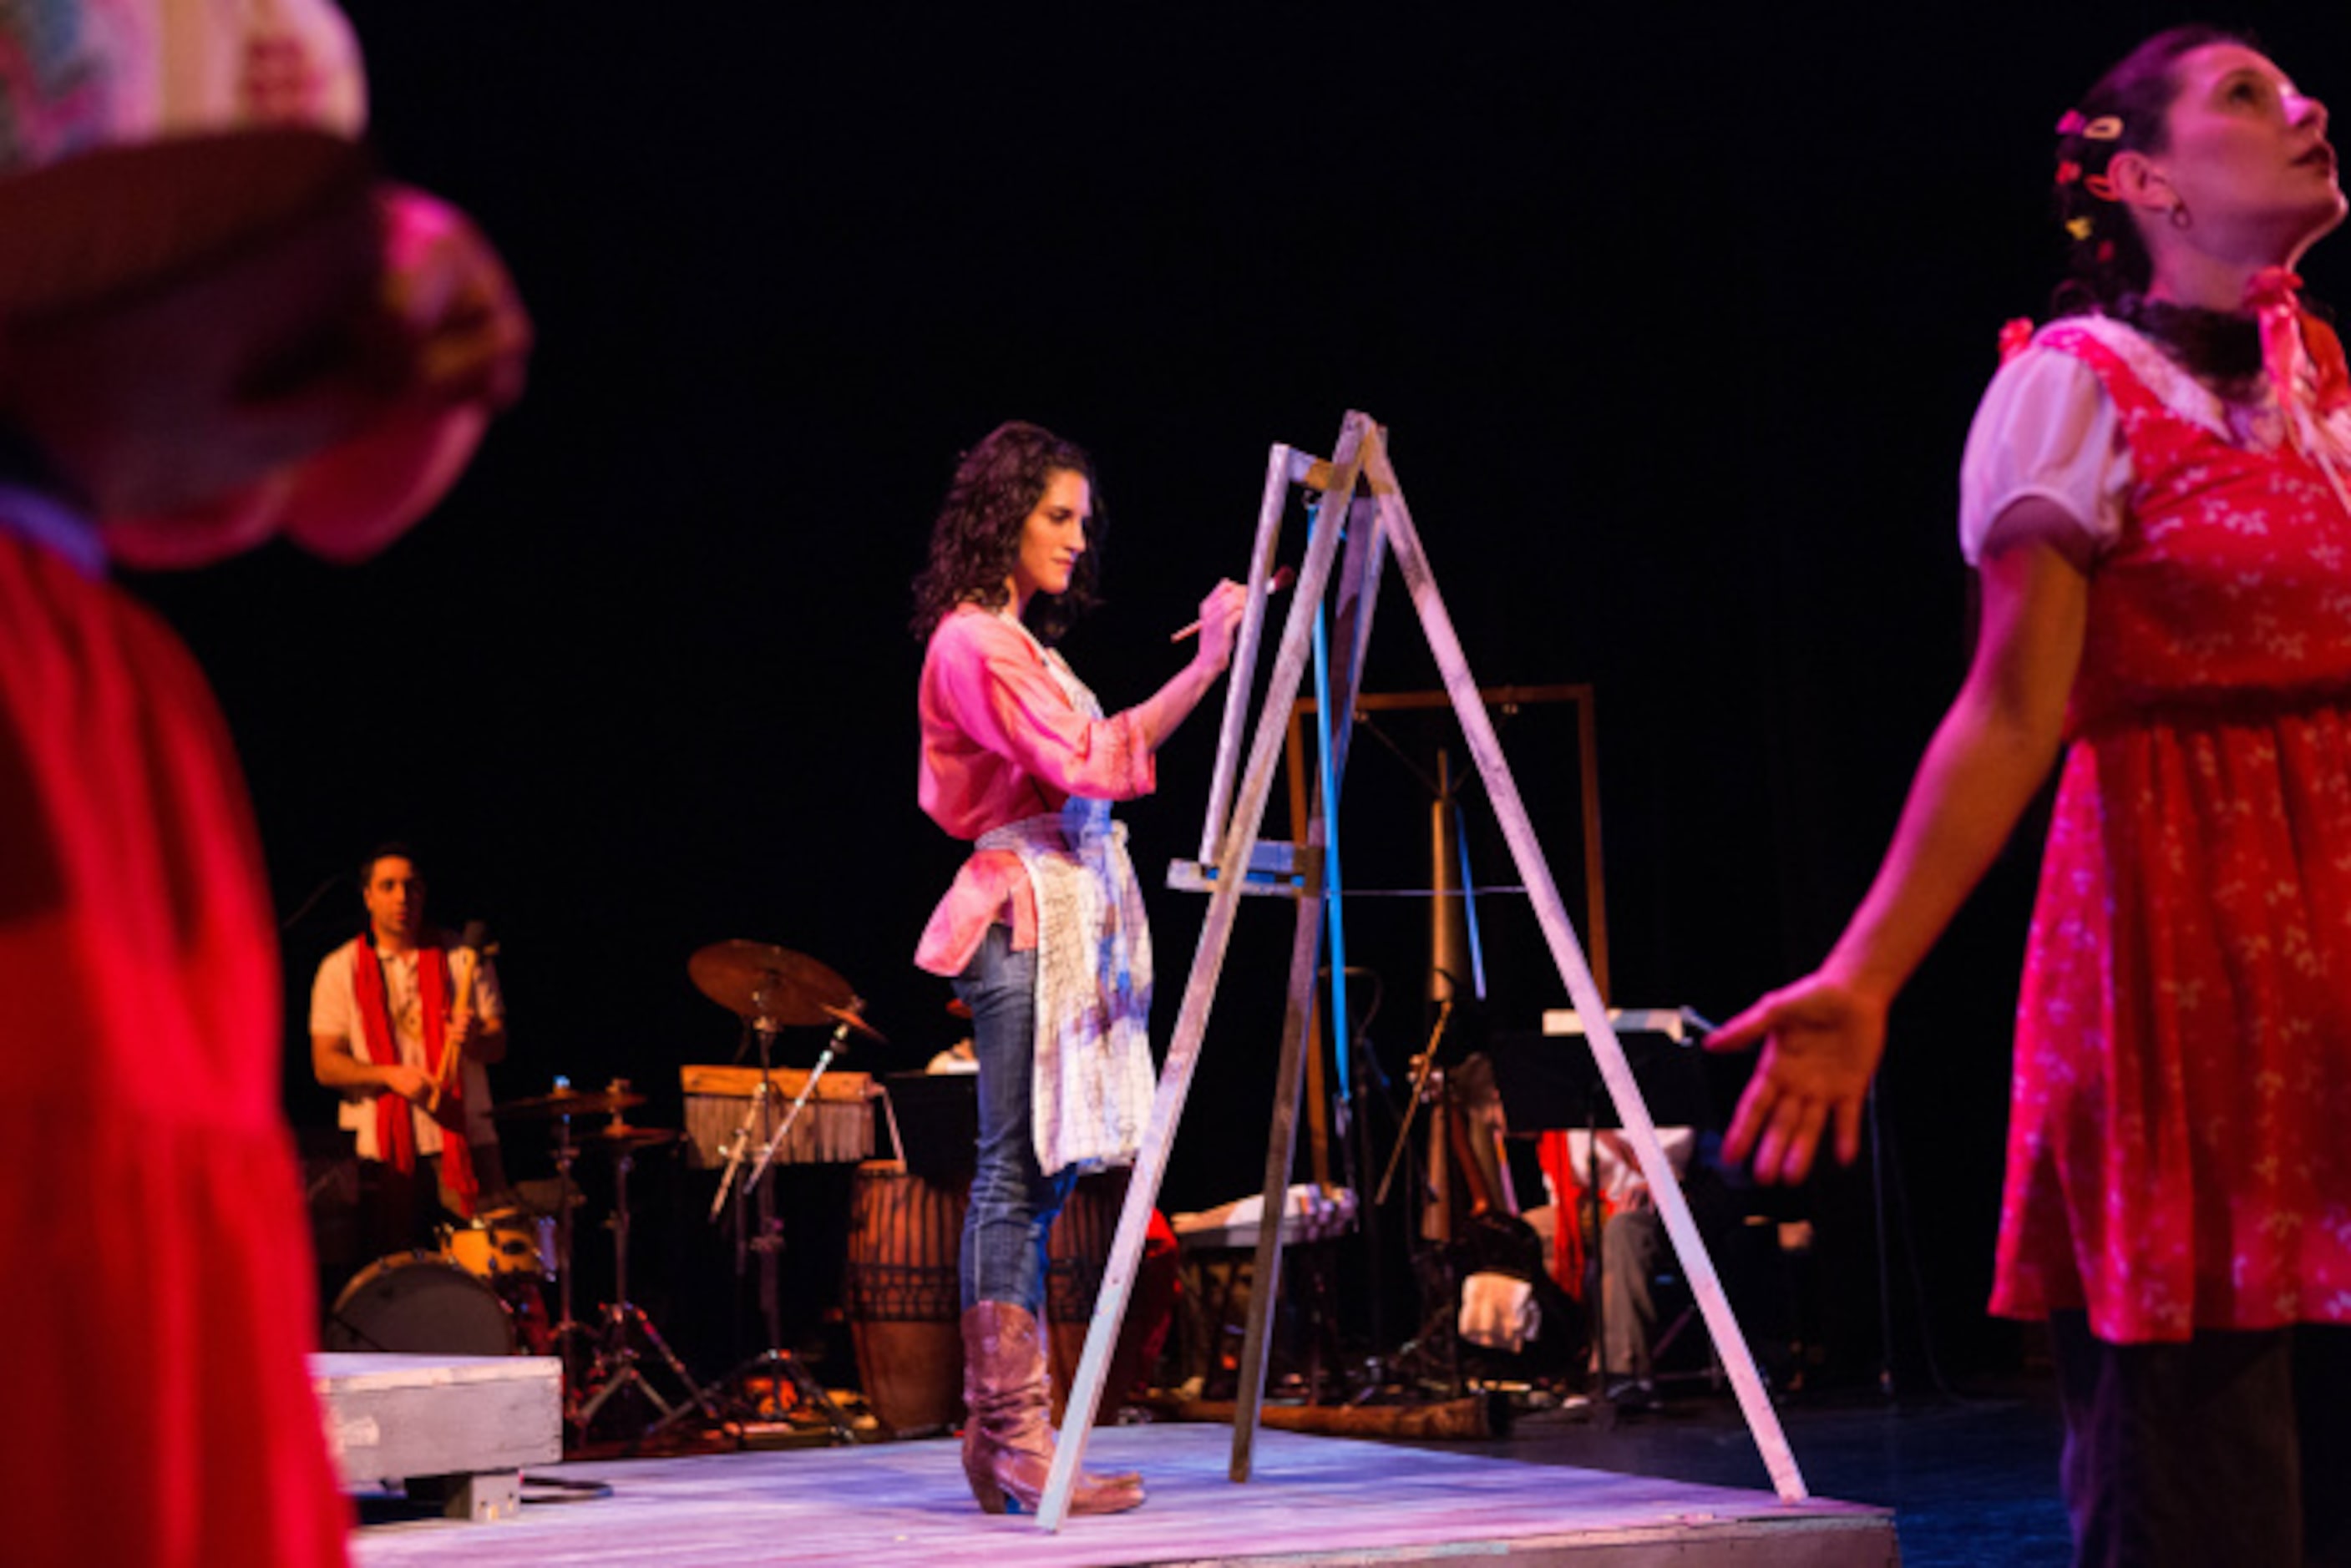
(615, 1366)
(779, 1366)
(756, 1193)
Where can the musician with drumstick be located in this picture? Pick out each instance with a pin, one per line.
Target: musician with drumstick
(403, 1019)
(1042, 931)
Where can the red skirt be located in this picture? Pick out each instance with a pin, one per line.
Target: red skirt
(157, 1297)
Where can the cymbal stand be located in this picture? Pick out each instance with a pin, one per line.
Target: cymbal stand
(616, 1360)
(773, 1366)
(567, 1328)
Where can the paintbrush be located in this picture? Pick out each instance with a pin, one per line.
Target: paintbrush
(1282, 578)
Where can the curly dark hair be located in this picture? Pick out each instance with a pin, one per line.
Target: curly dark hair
(2129, 108)
(976, 538)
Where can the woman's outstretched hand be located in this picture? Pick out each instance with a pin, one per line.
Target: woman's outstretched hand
(1822, 1041)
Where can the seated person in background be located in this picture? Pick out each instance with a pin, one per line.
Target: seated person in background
(1632, 1240)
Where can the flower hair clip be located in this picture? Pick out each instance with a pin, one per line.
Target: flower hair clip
(2101, 187)
(2079, 227)
(2106, 128)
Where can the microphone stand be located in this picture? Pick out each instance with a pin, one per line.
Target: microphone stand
(755, 1113)
(1422, 1065)
(832, 1047)
(772, 1365)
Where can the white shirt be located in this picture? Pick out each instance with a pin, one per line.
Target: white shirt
(2047, 428)
(335, 1013)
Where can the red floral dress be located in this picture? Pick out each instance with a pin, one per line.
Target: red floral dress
(158, 1294)
(2179, 1144)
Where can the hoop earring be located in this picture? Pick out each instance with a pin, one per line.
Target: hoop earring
(2180, 218)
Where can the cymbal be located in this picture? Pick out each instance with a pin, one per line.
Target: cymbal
(566, 1103)
(622, 1138)
(854, 1020)
(767, 984)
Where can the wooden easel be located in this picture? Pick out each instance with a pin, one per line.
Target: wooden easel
(1362, 503)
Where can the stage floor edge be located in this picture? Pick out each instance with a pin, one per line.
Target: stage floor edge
(1313, 1501)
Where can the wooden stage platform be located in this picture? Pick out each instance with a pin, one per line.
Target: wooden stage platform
(1315, 1500)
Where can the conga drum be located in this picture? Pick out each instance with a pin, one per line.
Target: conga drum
(905, 1301)
(1079, 1253)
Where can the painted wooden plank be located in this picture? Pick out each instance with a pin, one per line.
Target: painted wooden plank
(389, 1416)
(1280, 466)
(1357, 592)
(1550, 914)
(1281, 1154)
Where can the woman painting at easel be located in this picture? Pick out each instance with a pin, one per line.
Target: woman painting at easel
(2156, 496)
(1043, 929)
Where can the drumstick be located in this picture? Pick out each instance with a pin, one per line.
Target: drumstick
(1282, 578)
(445, 1078)
(473, 944)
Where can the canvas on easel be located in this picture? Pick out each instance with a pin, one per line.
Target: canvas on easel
(1359, 502)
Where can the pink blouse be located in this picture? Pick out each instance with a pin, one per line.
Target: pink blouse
(1002, 740)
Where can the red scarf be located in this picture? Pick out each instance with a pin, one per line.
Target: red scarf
(395, 1129)
(1567, 1210)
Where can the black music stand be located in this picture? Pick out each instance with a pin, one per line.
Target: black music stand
(938, 1124)
(1551, 1082)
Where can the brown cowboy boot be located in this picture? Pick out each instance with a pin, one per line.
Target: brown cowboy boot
(1008, 1445)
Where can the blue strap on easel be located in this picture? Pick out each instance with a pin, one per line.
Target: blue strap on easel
(1331, 884)
(1469, 902)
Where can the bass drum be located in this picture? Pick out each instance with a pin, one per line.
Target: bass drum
(420, 1302)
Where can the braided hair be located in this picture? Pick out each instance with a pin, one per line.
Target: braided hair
(2107, 263)
(976, 538)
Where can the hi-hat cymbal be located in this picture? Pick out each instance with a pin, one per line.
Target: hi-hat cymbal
(565, 1102)
(767, 984)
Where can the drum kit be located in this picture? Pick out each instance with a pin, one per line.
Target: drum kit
(481, 1293)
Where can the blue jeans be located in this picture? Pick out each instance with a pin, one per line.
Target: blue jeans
(1013, 1203)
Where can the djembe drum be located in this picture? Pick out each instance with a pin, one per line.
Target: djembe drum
(1079, 1252)
(905, 1297)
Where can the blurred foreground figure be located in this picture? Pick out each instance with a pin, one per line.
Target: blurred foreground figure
(2156, 498)
(216, 326)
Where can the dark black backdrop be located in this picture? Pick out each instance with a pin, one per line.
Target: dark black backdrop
(1676, 315)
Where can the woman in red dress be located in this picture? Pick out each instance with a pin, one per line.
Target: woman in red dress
(2156, 498)
(164, 241)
